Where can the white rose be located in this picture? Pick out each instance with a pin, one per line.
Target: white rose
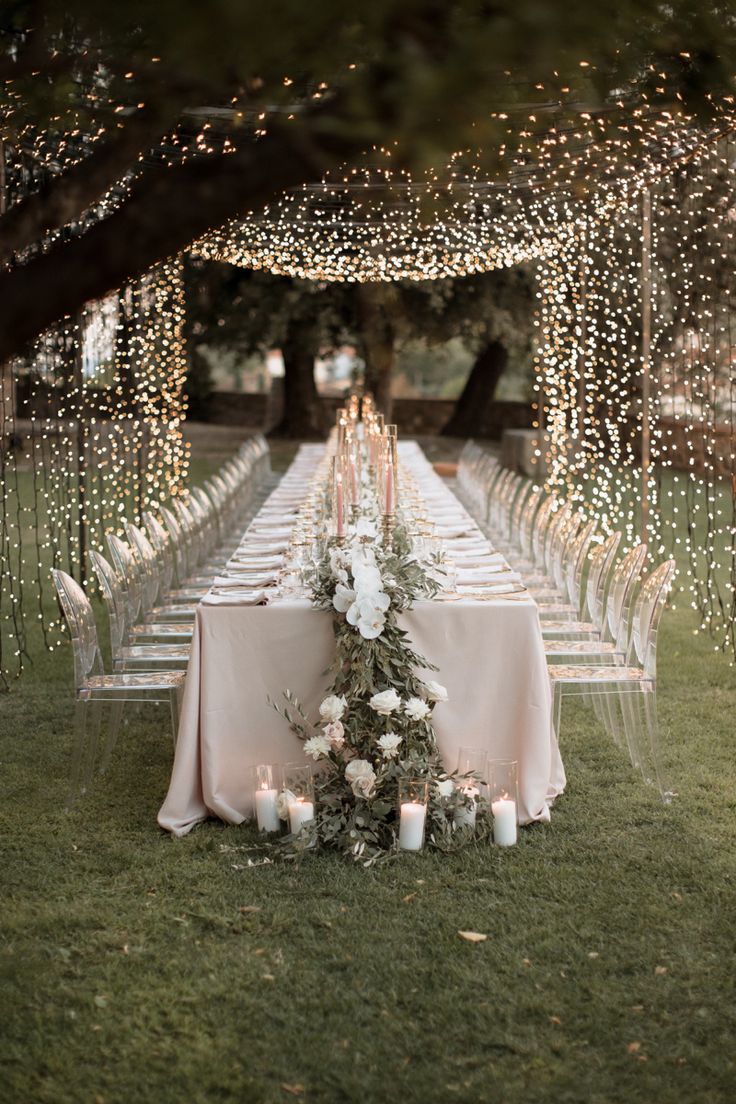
(445, 788)
(335, 733)
(435, 692)
(361, 776)
(385, 702)
(343, 598)
(317, 746)
(416, 709)
(389, 745)
(332, 708)
(284, 799)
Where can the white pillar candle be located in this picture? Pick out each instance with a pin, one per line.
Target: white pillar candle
(504, 821)
(411, 826)
(267, 813)
(466, 815)
(300, 812)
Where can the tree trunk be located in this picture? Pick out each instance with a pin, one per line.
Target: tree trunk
(302, 415)
(378, 336)
(471, 416)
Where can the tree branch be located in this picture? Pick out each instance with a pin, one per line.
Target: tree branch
(166, 211)
(66, 197)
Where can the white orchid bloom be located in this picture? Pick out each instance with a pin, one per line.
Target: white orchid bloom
(344, 598)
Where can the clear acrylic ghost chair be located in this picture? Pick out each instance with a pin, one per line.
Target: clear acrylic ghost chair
(127, 656)
(516, 510)
(502, 523)
(566, 533)
(613, 643)
(147, 557)
(567, 619)
(562, 526)
(633, 684)
(141, 588)
(92, 687)
(163, 547)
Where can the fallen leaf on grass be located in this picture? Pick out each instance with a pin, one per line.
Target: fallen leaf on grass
(473, 937)
(101, 1001)
(409, 897)
(660, 970)
(555, 1020)
(295, 1090)
(592, 954)
(634, 1048)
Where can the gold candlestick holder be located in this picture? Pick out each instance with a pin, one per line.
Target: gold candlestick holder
(388, 524)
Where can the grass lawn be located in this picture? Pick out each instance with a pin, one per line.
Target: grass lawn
(139, 968)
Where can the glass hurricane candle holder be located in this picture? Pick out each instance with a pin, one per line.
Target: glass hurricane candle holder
(299, 790)
(471, 782)
(504, 800)
(413, 797)
(265, 797)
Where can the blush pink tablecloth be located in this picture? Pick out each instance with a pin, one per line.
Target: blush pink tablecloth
(490, 658)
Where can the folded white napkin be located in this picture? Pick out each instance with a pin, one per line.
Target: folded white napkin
(269, 531)
(256, 546)
(236, 597)
(456, 532)
(500, 588)
(466, 556)
(475, 542)
(476, 578)
(251, 579)
(249, 563)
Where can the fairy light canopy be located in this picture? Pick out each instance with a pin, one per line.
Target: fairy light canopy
(561, 168)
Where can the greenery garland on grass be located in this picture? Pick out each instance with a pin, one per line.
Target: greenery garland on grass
(375, 725)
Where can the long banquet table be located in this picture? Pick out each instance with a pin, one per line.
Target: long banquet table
(488, 651)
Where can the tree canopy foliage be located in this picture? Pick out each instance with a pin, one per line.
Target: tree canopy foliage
(129, 130)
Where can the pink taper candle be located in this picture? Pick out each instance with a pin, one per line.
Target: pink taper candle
(389, 499)
(340, 515)
(353, 480)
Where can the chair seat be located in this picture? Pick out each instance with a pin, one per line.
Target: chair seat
(558, 610)
(553, 628)
(562, 672)
(155, 652)
(172, 613)
(585, 647)
(170, 630)
(145, 680)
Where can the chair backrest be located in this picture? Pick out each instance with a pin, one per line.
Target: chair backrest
(178, 543)
(125, 564)
(528, 519)
(81, 623)
(618, 605)
(517, 509)
(602, 560)
(575, 562)
(163, 545)
(148, 562)
(647, 614)
(112, 587)
(544, 518)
